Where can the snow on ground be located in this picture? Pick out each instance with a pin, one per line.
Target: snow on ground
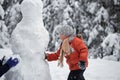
(103, 70)
(98, 70)
(58, 73)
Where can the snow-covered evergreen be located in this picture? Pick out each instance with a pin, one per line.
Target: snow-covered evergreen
(111, 47)
(22, 30)
(1, 11)
(4, 36)
(10, 16)
(95, 20)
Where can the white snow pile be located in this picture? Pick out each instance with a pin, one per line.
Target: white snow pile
(97, 70)
(111, 47)
(29, 40)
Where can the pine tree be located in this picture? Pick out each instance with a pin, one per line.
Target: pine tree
(10, 17)
(95, 20)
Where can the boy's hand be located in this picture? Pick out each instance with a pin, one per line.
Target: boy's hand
(82, 65)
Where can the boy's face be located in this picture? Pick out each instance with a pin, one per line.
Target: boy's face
(62, 37)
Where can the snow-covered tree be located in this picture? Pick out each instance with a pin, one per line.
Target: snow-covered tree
(1, 10)
(4, 37)
(95, 20)
(13, 14)
(10, 16)
(111, 47)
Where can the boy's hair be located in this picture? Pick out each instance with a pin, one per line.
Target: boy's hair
(79, 36)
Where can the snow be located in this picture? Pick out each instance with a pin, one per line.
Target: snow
(58, 4)
(111, 45)
(3, 34)
(92, 7)
(14, 14)
(2, 12)
(76, 4)
(1, 1)
(101, 13)
(102, 70)
(29, 40)
(67, 12)
(116, 2)
(97, 70)
(110, 39)
(93, 34)
(5, 52)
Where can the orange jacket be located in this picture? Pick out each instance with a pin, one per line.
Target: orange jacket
(79, 53)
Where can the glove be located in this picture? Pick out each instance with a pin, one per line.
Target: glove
(1, 61)
(46, 54)
(12, 62)
(82, 65)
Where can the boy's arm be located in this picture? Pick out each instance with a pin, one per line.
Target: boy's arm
(53, 56)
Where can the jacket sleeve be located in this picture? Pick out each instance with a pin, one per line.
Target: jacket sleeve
(82, 49)
(4, 69)
(53, 56)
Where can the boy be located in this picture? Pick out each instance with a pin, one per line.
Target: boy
(74, 50)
